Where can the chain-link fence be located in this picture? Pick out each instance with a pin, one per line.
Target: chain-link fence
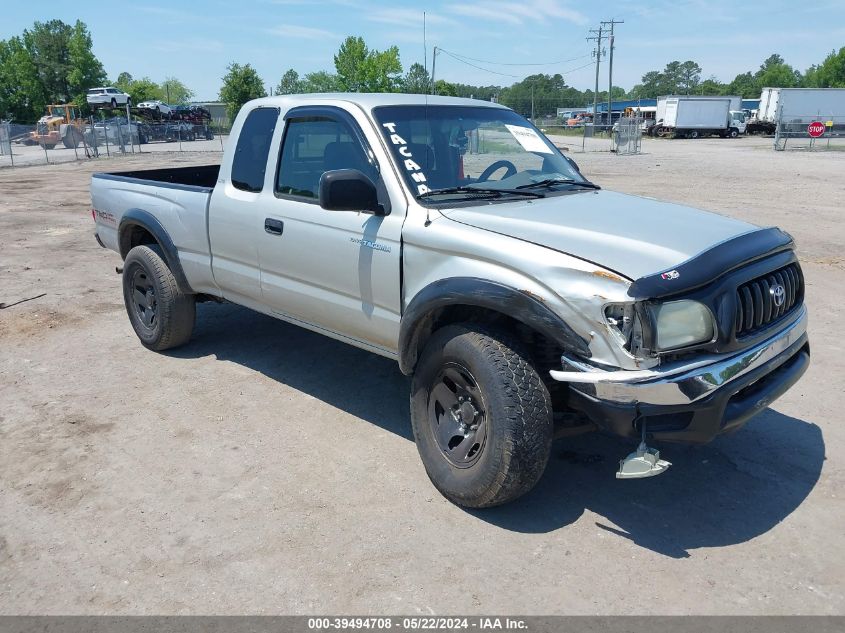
(810, 132)
(110, 133)
(627, 135)
(623, 137)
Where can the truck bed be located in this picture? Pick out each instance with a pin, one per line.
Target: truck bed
(195, 176)
(176, 198)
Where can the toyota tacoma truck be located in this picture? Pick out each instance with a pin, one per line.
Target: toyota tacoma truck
(451, 235)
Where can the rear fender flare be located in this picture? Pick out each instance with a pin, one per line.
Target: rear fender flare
(148, 222)
(520, 305)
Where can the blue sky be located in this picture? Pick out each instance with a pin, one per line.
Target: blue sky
(194, 41)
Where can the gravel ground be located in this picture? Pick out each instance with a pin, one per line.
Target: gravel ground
(265, 469)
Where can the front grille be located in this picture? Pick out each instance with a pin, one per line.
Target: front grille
(755, 301)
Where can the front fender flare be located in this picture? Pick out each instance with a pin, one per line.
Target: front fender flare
(521, 305)
(148, 222)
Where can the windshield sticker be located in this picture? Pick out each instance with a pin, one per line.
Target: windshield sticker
(410, 164)
(528, 138)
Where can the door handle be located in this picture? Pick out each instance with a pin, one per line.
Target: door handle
(274, 227)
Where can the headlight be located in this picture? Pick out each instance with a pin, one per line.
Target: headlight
(681, 324)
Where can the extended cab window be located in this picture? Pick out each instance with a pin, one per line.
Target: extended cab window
(250, 162)
(315, 145)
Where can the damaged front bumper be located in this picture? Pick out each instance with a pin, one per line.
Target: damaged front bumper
(690, 402)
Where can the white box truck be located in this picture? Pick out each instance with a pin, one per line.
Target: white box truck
(797, 105)
(690, 116)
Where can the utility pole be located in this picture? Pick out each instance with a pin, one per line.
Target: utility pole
(611, 22)
(597, 54)
(532, 103)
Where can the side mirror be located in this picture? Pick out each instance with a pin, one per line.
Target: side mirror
(348, 190)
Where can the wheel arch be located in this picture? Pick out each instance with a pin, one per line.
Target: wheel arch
(139, 227)
(469, 298)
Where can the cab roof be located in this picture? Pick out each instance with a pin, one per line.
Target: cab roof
(370, 100)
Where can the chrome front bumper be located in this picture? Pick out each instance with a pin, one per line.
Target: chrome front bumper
(682, 383)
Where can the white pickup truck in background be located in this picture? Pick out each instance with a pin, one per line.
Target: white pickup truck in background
(452, 236)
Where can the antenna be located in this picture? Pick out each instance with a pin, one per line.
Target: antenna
(425, 48)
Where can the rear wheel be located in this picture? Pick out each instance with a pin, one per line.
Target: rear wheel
(692, 134)
(161, 315)
(481, 416)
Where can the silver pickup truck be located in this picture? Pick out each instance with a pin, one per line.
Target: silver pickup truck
(452, 236)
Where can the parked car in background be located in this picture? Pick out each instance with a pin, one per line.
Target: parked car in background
(116, 131)
(190, 112)
(107, 96)
(159, 107)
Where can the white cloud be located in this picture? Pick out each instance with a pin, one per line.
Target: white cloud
(301, 32)
(519, 12)
(407, 17)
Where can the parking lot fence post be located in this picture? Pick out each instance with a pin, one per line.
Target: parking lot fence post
(105, 132)
(129, 126)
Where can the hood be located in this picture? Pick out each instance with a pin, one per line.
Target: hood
(629, 235)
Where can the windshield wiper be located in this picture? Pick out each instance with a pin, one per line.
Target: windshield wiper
(482, 190)
(550, 182)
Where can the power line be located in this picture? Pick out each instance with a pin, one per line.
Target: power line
(463, 61)
(487, 61)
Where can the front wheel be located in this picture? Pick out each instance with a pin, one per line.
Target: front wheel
(161, 314)
(481, 416)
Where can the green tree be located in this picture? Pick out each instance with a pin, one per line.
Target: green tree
(240, 84)
(745, 85)
(444, 88)
(320, 81)
(416, 80)
(22, 96)
(711, 86)
(175, 91)
(144, 89)
(829, 74)
(349, 62)
(48, 43)
(776, 73)
(85, 70)
(124, 80)
(289, 84)
(689, 77)
(360, 69)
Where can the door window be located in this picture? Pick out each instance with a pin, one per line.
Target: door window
(315, 145)
(250, 162)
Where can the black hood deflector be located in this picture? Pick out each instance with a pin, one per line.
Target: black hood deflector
(711, 264)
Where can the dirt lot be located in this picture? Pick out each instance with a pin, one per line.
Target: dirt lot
(264, 469)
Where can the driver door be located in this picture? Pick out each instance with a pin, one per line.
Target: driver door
(335, 271)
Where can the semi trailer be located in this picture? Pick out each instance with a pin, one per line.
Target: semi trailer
(797, 105)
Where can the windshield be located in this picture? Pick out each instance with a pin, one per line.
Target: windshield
(470, 148)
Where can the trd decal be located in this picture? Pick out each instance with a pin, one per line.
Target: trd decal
(672, 274)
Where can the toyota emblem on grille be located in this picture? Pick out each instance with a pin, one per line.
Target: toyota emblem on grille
(778, 294)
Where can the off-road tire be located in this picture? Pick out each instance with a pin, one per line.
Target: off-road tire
(174, 311)
(517, 409)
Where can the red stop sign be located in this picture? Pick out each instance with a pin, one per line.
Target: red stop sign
(815, 129)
